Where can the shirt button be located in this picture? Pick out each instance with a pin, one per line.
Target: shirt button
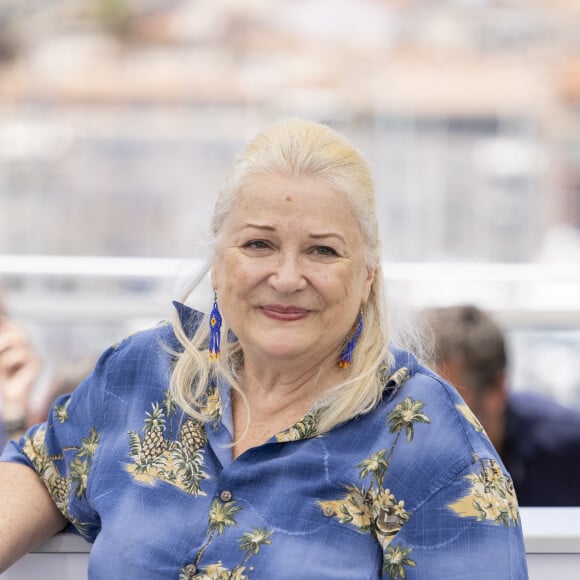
(191, 570)
(226, 495)
(328, 511)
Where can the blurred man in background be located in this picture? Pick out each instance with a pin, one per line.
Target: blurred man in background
(537, 439)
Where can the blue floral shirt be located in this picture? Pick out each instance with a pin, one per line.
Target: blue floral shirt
(412, 490)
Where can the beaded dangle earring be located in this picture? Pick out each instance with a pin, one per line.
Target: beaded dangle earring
(346, 356)
(215, 325)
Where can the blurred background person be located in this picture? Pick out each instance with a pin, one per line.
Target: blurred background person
(28, 385)
(20, 369)
(537, 438)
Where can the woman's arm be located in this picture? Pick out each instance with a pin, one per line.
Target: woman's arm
(28, 516)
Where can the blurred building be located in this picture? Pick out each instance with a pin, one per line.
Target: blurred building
(119, 119)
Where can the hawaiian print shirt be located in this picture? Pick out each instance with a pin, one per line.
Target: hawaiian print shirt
(413, 489)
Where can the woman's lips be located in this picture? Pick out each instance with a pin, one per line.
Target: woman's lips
(287, 313)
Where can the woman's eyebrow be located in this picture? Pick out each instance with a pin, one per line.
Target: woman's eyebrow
(258, 227)
(321, 236)
(328, 235)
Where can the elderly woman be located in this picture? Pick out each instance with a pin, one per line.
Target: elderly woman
(277, 436)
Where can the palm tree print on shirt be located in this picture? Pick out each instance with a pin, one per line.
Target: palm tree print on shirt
(222, 516)
(374, 509)
(395, 561)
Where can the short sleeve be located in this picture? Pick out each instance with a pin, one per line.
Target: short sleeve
(469, 528)
(62, 451)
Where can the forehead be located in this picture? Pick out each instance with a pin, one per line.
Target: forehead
(277, 198)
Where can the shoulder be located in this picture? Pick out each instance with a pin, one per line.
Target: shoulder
(142, 361)
(443, 404)
(420, 449)
(451, 431)
(423, 419)
(160, 339)
(140, 350)
(425, 423)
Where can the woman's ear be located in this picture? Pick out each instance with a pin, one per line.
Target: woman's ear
(368, 283)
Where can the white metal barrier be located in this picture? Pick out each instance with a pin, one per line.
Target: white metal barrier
(552, 537)
(532, 293)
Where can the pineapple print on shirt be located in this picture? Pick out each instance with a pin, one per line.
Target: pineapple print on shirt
(77, 465)
(171, 449)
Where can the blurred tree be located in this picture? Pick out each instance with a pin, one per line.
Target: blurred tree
(114, 16)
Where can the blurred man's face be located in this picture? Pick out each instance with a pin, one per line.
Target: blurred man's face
(488, 406)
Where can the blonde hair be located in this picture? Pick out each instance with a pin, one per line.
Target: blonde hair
(297, 148)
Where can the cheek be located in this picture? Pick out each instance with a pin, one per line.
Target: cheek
(339, 290)
(239, 278)
(355, 285)
(227, 271)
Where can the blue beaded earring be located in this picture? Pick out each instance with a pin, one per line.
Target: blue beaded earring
(346, 356)
(215, 325)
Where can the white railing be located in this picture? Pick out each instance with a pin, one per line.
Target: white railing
(65, 287)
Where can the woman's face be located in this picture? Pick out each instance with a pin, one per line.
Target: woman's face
(289, 269)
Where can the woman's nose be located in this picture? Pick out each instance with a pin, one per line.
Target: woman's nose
(287, 275)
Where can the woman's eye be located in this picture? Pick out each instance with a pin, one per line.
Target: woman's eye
(256, 245)
(325, 251)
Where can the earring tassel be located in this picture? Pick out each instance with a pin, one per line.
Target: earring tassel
(346, 357)
(215, 324)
